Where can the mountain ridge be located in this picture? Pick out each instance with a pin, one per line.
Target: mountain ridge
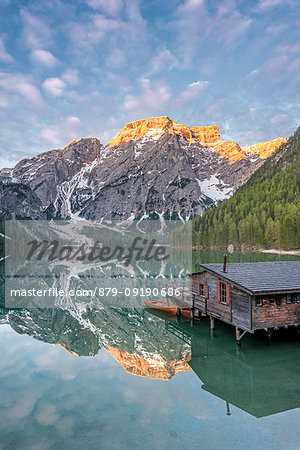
(208, 136)
(159, 169)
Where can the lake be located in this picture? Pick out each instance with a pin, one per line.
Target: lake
(118, 378)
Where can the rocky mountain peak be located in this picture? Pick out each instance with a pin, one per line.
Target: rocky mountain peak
(264, 149)
(48, 173)
(207, 136)
(152, 168)
(154, 366)
(154, 127)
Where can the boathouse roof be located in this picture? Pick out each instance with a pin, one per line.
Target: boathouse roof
(260, 277)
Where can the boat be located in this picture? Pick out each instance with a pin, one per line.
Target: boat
(186, 312)
(169, 308)
(163, 306)
(162, 315)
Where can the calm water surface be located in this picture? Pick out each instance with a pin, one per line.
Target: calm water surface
(126, 378)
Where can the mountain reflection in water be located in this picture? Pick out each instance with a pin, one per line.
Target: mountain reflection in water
(261, 379)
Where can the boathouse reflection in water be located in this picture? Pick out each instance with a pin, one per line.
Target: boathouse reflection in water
(260, 379)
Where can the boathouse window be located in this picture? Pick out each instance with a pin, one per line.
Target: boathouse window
(223, 292)
(292, 298)
(298, 297)
(272, 300)
(200, 289)
(258, 301)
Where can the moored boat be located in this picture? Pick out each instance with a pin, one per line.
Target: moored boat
(186, 312)
(169, 308)
(162, 306)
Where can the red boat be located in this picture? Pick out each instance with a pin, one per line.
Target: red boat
(162, 315)
(186, 312)
(168, 308)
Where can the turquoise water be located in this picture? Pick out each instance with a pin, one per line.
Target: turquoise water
(220, 398)
(115, 378)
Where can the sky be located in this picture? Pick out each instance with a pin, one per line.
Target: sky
(85, 68)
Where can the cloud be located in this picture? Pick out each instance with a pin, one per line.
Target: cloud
(189, 6)
(65, 130)
(200, 29)
(289, 47)
(273, 67)
(36, 31)
(278, 68)
(266, 4)
(280, 119)
(121, 60)
(133, 12)
(70, 76)
(111, 7)
(44, 57)
(103, 25)
(21, 85)
(46, 414)
(151, 100)
(54, 86)
(192, 91)
(163, 60)
(276, 28)
(4, 56)
(4, 100)
(97, 37)
(86, 35)
(116, 59)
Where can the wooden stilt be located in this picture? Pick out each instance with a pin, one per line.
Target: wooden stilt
(192, 317)
(269, 334)
(212, 327)
(238, 335)
(228, 413)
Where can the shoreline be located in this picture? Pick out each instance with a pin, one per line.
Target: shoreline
(294, 252)
(281, 252)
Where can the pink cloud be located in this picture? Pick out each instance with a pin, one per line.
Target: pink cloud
(54, 86)
(197, 26)
(266, 4)
(21, 85)
(70, 76)
(111, 7)
(4, 56)
(36, 31)
(191, 92)
(65, 130)
(44, 57)
(151, 100)
(190, 6)
(163, 60)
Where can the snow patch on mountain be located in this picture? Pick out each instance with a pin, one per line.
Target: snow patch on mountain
(215, 189)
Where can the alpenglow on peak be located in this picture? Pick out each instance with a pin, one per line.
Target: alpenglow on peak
(207, 136)
(156, 126)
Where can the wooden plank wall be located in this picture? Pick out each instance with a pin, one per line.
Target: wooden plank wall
(269, 316)
(241, 310)
(237, 312)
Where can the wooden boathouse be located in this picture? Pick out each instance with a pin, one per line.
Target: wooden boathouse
(249, 296)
